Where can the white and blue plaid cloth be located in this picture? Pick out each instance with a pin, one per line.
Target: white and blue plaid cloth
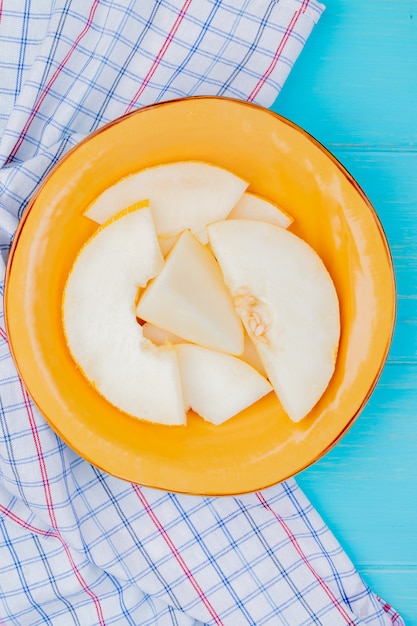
(79, 547)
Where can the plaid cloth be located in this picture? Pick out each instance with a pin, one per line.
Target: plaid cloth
(78, 546)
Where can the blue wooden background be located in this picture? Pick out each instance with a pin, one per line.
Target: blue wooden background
(355, 89)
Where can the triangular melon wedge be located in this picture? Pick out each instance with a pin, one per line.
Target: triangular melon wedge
(100, 324)
(216, 385)
(182, 195)
(288, 304)
(254, 207)
(189, 298)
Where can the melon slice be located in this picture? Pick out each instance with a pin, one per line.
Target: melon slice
(254, 207)
(166, 243)
(251, 356)
(159, 336)
(288, 304)
(189, 298)
(216, 385)
(183, 195)
(100, 324)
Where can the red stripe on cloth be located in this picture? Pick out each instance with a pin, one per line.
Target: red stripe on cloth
(54, 533)
(160, 54)
(176, 554)
(18, 520)
(1, 9)
(50, 506)
(41, 459)
(51, 81)
(279, 50)
(323, 585)
(49, 502)
(396, 618)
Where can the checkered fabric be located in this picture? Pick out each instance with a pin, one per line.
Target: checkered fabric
(78, 546)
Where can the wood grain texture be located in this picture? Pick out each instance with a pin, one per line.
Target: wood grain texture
(355, 89)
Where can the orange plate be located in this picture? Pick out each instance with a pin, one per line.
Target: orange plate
(261, 446)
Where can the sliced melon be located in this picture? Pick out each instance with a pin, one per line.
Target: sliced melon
(159, 336)
(254, 207)
(288, 304)
(183, 195)
(189, 298)
(100, 324)
(251, 356)
(216, 385)
(166, 243)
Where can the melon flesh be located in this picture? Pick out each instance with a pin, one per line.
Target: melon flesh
(288, 304)
(166, 243)
(251, 356)
(254, 207)
(100, 324)
(189, 298)
(182, 195)
(159, 336)
(216, 385)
